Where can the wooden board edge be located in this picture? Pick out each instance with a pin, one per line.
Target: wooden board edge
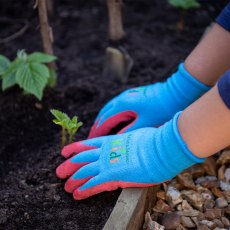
(129, 211)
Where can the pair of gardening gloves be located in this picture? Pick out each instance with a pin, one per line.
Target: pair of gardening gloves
(139, 155)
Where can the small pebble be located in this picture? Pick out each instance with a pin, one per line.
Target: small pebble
(203, 227)
(214, 213)
(224, 158)
(208, 223)
(221, 202)
(225, 221)
(187, 222)
(224, 186)
(227, 175)
(150, 224)
(173, 197)
(194, 198)
(171, 221)
(218, 223)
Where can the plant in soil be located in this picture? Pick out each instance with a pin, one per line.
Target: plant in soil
(69, 126)
(29, 72)
(183, 5)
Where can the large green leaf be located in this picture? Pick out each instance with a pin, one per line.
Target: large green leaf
(185, 4)
(13, 67)
(41, 57)
(33, 78)
(8, 81)
(4, 63)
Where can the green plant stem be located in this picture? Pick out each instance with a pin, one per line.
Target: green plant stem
(63, 139)
(70, 137)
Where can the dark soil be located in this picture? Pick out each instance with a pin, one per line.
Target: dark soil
(31, 197)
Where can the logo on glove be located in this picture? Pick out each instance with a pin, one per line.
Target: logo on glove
(117, 150)
(137, 90)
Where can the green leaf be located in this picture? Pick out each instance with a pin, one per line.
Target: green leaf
(8, 81)
(40, 69)
(13, 67)
(185, 4)
(41, 57)
(33, 78)
(60, 116)
(21, 54)
(74, 119)
(4, 63)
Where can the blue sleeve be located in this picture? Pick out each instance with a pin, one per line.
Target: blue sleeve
(224, 88)
(224, 18)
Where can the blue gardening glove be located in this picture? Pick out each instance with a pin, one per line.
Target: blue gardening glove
(140, 158)
(149, 106)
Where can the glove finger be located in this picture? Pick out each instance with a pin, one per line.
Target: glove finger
(73, 164)
(100, 184)
(93, 186)
(81, 146)
(111, 121)
(82, 176)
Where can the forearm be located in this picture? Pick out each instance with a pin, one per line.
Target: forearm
(210, 58)
(205, 125)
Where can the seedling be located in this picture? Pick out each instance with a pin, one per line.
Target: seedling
(183, 5)
(28, 71)
(69, 126)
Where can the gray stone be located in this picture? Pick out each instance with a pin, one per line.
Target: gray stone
(180, 227)
(195, 220)
(224, 186)
(150, 224)
(219, 228)
(227, 195)
(203, 227)
(225, 221)
(162, 207)
(186, 206)
(208, 199)
(227, 175)
(187, 222)
(173, 196)
(186, 180)
(218, 223)
(194, 198)
(208, 204)
(212, 214)
(209, 224)
(221, 202)
(171, 221)
(190, 213)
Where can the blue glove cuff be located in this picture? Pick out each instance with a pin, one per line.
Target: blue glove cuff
(172, 152)
(178, 92)
(199, 85)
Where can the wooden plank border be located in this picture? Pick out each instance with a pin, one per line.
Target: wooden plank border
(131, 206)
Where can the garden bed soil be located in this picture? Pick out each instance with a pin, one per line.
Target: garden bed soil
(31, 197)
